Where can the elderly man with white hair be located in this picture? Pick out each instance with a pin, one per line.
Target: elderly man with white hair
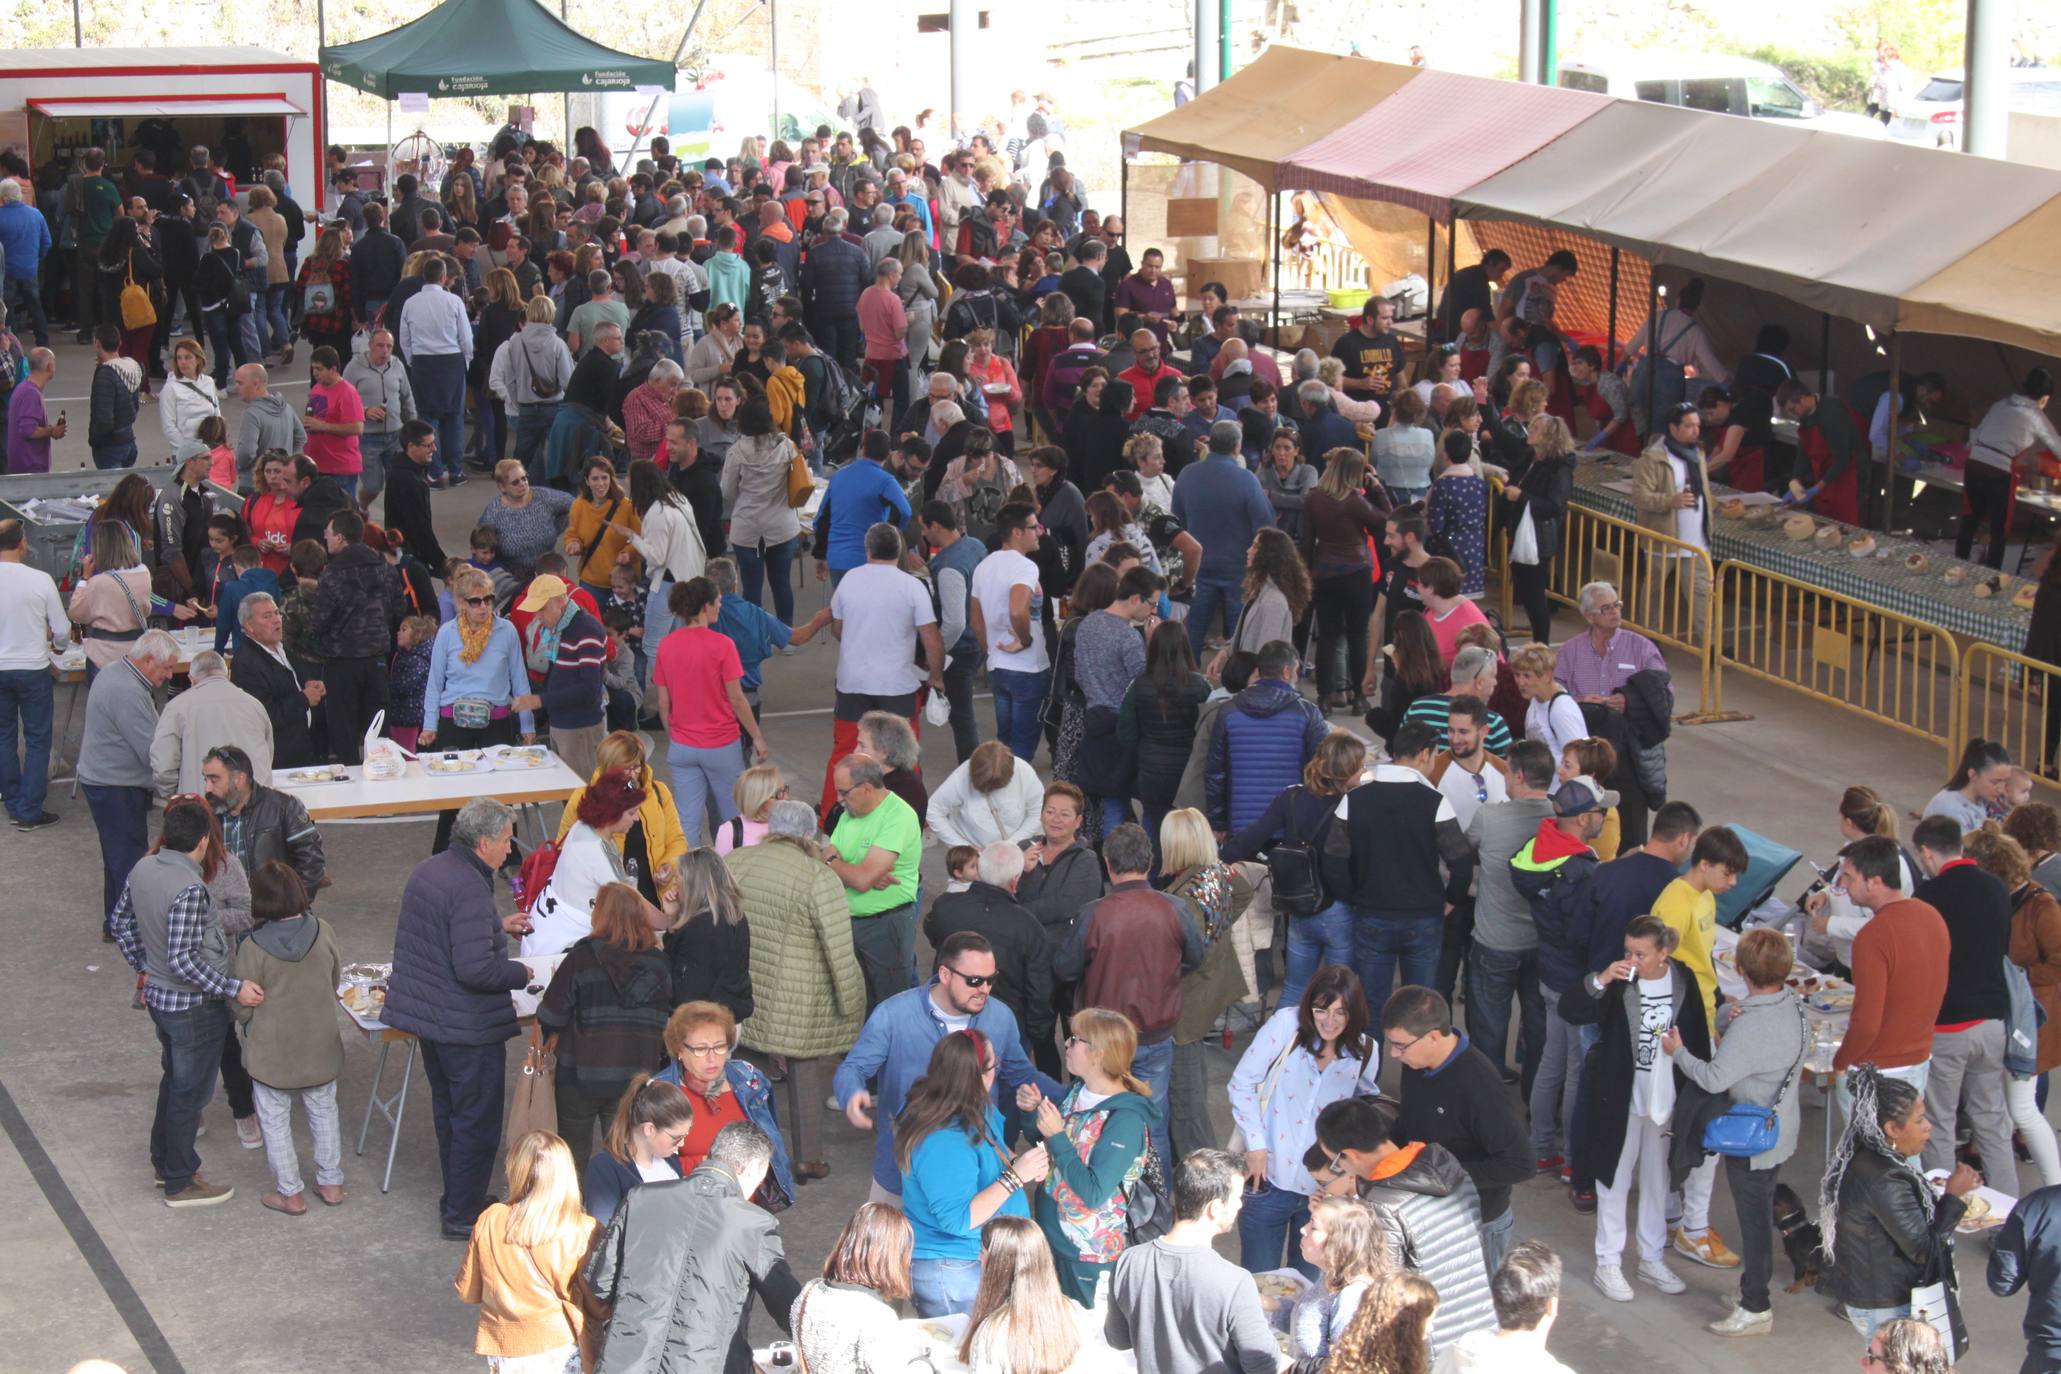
(1023, 955)
(114, 766)
(262, 670)
(213, 711)
(25, 241)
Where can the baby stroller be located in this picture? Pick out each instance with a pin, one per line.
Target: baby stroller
(1767, 863)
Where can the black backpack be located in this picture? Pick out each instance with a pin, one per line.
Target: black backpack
(1295, 866)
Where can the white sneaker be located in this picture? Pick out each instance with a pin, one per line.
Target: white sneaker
(1743, 1323)
(1610, 1279)
(830, 1103)
(1660, 1276)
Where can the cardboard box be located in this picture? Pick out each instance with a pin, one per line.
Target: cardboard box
(1191, 218)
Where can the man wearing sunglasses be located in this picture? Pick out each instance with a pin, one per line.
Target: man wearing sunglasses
(894, 1048)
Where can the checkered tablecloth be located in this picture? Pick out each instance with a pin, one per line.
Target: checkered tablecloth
(1881, 582)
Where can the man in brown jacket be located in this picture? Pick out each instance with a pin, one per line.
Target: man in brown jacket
(1128, 952)
(1899, 968)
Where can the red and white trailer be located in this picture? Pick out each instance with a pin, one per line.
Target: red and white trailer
(243, 102)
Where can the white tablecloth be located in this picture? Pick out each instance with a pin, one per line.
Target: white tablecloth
(419, 791)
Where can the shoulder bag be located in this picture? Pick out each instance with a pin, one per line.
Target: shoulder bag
(1742, 1131)
(534, 1106)
(607, 517)
(801, 482)
(137, 311)
(1237, 1144)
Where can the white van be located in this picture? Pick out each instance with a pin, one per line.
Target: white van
(1714, 82)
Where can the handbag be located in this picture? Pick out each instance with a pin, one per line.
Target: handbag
(1742, 1131)
(1524, 544)
(534, 1106)
(1295, 866)
(137, 311)
(1148, 1205)
(1237, 1143)
(801, 483)
(1938, 1305)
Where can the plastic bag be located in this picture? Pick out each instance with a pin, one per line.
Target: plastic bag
(384, 759)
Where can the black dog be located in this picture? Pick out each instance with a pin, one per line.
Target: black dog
(1802, 1241)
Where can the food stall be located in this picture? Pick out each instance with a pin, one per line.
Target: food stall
(244, 103)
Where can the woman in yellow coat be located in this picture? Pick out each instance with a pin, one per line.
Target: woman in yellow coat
(654, 845)
(593, 542)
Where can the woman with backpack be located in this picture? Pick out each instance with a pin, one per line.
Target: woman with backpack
(1293, 827)
(528, 375)
(324, 289)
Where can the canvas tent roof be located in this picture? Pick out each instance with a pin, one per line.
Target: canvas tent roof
(1889, 235)
(487, 47)
(1434, 135)
(1287, 99)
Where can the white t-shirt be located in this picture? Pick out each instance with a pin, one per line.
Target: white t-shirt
(1469, 792)
(880, 609)
(1689, 521)
(1088, 1102)
(998, 574)
(31, 614)
(1653, 1073)
(657, 1171)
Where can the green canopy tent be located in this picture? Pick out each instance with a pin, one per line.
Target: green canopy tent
(487, 47)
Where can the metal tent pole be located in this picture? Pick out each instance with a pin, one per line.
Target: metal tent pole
(679, 51)
(1452, 324)
(1896, 363)
(565, 97)
(773, 57)
(1652, 311)
(1612, 326)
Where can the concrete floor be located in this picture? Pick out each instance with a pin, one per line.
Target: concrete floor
(95, 1266)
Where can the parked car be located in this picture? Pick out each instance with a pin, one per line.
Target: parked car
(1931, 115)
(1715, 82)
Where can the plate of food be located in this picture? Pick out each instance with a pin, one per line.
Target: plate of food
(445, 763)
(518, 757)
(1835, 999)
(308, 777)
(1280, 1284)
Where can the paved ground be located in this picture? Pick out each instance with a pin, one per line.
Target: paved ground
(96, 1267)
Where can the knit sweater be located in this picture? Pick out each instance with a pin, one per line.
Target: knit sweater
(609, 1007)
(843, 1328)
(1977, 912)
(1463, 1105)
(1900, 963)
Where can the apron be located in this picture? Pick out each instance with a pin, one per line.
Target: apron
(1626, 440)
(1842, 499)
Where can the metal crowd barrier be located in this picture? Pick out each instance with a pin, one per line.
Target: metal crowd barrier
(1667, 587)
(2014, 700)
(1859, 658)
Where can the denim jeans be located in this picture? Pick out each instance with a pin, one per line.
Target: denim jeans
(190, 1054)
(1753, 1197)
(25, 695)
(222, 343)
(942, 1287)
(1380, 943)
(1269, 1221)
(25, 305)
(116, 455)
(1209, 595)
(439, 381)
(1495, 1241)
(1019, 698)
(275, 1121)
(702, 783)
(1314, 941)
(1154, 1064)
(1866, 1319)
(770, 560)
(1494, 976)
(658, 619)
(376, 450)
(467, 1086)
(885, 946)
(532, 427)
(1116, 811)
(1554, 1085)
(278, 334)
(121, 815)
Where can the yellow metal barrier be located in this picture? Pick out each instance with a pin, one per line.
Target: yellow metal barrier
(1872, 662)
(2013, 700)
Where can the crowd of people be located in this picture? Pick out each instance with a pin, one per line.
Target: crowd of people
(1147, 562)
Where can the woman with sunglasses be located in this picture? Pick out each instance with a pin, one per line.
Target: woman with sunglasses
(1310, 1053)
(642, 1145)
(1095, 1138)
(955, 1174)
(478, 691)
(528, 518)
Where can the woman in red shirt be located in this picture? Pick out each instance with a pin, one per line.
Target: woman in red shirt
(995, 375)
(698, 682)
(269, 516)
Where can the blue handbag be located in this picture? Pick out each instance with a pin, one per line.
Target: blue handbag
(1743, 1131)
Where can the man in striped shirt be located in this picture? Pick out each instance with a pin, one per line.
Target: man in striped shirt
(570, 647)
(165, 927)
(1474, 675)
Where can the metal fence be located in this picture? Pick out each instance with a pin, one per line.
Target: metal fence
(1859, 658)
(2013, 700)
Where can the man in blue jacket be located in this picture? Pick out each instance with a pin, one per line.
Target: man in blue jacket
(1223, 505)
(1261, 741)
(832, 279)
(449, 988)
(862, 494)
(24, 243)
(895, 1047)
(2028, 1254)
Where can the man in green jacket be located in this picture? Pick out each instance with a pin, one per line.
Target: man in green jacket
(93, 201)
